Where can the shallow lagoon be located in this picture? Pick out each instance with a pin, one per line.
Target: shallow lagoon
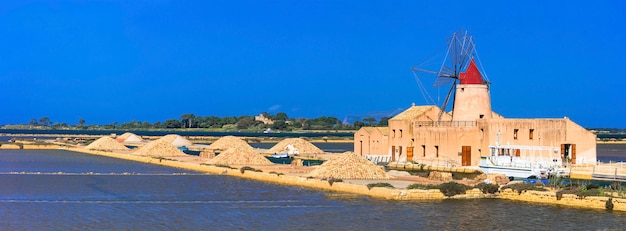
(99, 193)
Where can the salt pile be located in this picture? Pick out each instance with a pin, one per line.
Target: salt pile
(160, 148)
(106, 143)
(303, 146)
(177, 140)
(239, 156)
(349, 166)
(129, 137)
(228, 142)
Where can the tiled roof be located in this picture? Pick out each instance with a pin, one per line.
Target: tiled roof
(413, 112)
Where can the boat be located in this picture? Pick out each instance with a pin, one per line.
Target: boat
(280, 155)
(506, 159)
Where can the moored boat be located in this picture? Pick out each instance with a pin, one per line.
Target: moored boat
(507, 160)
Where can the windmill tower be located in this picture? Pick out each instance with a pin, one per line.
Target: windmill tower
(468, 85)
(471, 99)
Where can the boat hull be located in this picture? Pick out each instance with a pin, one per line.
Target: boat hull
(508, 171)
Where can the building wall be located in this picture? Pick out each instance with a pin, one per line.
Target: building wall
(445, 143)
(371, 141)
(472, 102)
(585, 142)
(444, 140)
(401, 131)
(399, 138)
(547, 133)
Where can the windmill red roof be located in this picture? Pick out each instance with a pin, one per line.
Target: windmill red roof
(471, 75)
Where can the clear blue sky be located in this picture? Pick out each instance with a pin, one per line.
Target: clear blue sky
(107, 61)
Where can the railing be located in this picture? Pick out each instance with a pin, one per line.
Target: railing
(445, 124)
(379, 159)
(611, 168)
(438, 162)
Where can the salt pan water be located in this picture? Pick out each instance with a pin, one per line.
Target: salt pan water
(62, 190)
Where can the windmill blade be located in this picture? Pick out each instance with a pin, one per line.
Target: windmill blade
(445, 102)
(423, 90)
(461, 49)
(440, 81)
(445, 76)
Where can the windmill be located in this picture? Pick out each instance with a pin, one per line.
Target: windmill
(459, 57)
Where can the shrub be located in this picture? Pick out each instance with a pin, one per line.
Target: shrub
(522, 187)
(590, 192)
(277, 173)
(224, 166)
(244, 168)
(488, 188)
(452, 188)
(422, 186)
(379, 184)
(333, 180)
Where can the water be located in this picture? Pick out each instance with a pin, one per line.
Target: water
(611, 152)
(125, 195)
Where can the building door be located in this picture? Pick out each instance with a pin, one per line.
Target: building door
(568, 152)
(409, 153)
(361, 148)
(393, 153)
(466, 156)
(573, 153)
(399, 152)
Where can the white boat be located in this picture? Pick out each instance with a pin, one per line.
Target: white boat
(280, 155)
(507, 160)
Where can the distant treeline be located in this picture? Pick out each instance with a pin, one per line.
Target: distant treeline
(609, 130)
(279, 121)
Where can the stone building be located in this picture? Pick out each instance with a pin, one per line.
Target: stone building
(473, 130)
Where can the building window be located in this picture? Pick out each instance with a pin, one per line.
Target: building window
(400, 133)
(515, 133)
(481, 116)
(436, 151)
(424, 150)
(394, 133)
(530, 134)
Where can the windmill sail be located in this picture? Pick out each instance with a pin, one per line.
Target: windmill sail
(458, 67)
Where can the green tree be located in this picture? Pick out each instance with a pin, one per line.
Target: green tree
(81, 122)
(384, 121)
(279, 125)
(186, 120)
(358, 124)
(33, 122)
(369, 121)
(172, 124)
(281, 116)
(245, 122)
(45, 121)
